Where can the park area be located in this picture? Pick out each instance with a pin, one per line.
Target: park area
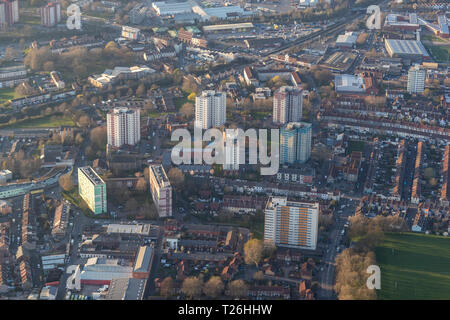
(440, 53)
(50, 121)
(414, 266)
(7, 94)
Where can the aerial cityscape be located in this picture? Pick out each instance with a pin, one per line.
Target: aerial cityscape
(224, 150)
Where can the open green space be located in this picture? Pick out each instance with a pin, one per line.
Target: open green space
(429, 37)
(354, 145)
(30, 19)
(180, 101)
(7, 94)
(414, 266)
(440, 53)
(42, 122)
(74, 198)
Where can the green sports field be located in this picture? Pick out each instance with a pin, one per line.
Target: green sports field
(414, 266)
(440, 53)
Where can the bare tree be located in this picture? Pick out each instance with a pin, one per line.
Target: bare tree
(66, 182)
(10, 54)
(253, 250)
(167, 287)
(98, 137)
(141, 185)
(192, 287)
(187, 110)
(213, 287)
(351, 275)
(238, 289)
(258, 276)
(176, 177)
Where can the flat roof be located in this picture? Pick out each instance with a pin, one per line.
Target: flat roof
(160, 174)
(230, 26)
(412, 47)
(273, 202)
(296, 125)
(346, 82)
(92, 175)
(126, 289)
(348, 38)
(143, 259)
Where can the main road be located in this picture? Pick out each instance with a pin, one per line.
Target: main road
(328, 265)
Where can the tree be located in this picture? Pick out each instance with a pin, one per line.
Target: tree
(84, 121)
(323, 77)
(238, 289)
(167, 287)
(111, 45)
(276, 82)
(253, 250)
(49, 66)
(189, 85)
(258, 276)
(79, 139)
(192, 287)
(269, 250)
(141, 185)
(176, 177)
(377, 101)
(10, 54)
(192, 96)
(213, 287)
(66, 182)
(23, 90)
(98, 137)
(140, 91)
(187, 110)
(351, 275)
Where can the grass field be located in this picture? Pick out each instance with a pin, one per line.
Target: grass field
(180, 101)
(44, 122)
(354, 145)
(414, 266)
(74, 198)
(431, 38)
(7, 94)
(440, 53)
(30, 19)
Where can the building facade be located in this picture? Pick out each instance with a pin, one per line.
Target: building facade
(291, 224)
(416, 79)
(9, 12)
(210, 109)
(130, 33)
(51, 14)
(231, 151)
(287, 105)
(295, 142)
(161, 190)
(124, 127)
(92, 189)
